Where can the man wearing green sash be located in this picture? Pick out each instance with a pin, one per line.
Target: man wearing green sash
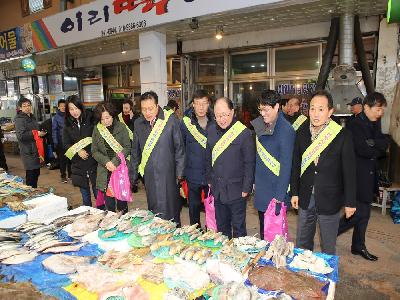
(323, 178)
(274, 142)
(194, 126)
(158, 155)
(293, 113)
(230, 157)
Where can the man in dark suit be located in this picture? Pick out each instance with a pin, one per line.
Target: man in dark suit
(323, 175)
(230, 163)
(370, 144)
(356, 107)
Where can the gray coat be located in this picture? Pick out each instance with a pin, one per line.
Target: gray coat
(165, 164)
(24, 125)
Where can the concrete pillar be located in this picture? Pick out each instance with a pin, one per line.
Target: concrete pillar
(153, 64)
(386, 71)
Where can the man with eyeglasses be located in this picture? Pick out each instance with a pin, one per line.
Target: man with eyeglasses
(158, 156)
(230, 158)
(194, 132)
(274, 143)
(29, 136)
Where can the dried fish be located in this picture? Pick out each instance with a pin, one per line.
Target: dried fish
(20, 258)
(234, 290)
(12, 252)
(61, 249)
(279, 250)
(65, 264)
(52, 244)
(110, 220)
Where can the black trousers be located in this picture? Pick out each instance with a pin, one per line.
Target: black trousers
(3, 162)
(32, 177)
(359, 221)
(231, 217)
(195, 204)
(121, 205)
(65, 163)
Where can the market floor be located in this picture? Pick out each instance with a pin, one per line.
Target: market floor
(359, 279)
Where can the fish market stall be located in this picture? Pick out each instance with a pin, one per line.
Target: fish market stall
(91, 254)
(20, 203)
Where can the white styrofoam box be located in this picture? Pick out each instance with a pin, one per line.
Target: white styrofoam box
(75, 211)
(46, 207)
(13, 221)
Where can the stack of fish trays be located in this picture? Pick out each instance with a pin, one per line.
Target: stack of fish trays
(46, 207)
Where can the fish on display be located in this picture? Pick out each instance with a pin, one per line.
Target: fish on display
(110, 220)
(9, 245)
(8, 253)
(61, 249)
(65, 220)
(20, 258)
(65, 264)
(10, 236)
(51, 244)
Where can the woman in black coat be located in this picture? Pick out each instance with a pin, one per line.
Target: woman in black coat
(77, 137)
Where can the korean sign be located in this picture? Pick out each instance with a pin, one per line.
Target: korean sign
(14, 42)
(108, 17)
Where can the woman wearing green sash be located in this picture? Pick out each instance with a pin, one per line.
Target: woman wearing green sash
(110, 137)
(77, 139)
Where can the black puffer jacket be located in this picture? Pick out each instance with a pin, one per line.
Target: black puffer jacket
(72, 134)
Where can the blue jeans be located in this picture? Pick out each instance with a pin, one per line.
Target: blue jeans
(86, 199)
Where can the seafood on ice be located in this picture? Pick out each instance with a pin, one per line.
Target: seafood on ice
(308, 261)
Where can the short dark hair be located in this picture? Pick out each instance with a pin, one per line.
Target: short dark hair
(128, 101)
(102, 107)
(325, 94)
(295, 97)
(23, 100)
(375, 99)
(269, 97)
(173, 104)
(201, 94)
(284, 101)
(74, 99)
(61, 101)
(149, 95)
(226, 100)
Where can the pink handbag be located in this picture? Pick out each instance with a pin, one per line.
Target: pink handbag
(211, 222)
(275, 224)
(100, 198)
(119, 185)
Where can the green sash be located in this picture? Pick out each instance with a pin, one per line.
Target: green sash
(299, 121)
(198, 136)
(108, 137)
(269, 161)
(323, 140)
(78, 146)
(226, 140)
(152, 140)
(121, 119)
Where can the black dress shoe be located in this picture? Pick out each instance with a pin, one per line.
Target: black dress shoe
(364, 253)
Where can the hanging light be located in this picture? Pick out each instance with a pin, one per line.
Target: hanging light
(123, 50)
(219, 32)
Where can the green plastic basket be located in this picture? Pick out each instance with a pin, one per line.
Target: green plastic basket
(135, 241)
(162, 252)
(138, 221)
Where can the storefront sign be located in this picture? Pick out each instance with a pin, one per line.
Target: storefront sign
(297, 89)
(14, 42)
(107, 17)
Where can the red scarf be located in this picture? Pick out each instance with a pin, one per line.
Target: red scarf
(39, 145)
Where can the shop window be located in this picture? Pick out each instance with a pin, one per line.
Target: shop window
(210, 68)
(297, 59)
(70, 84)
(249, 63)
(214, 90)
(245, 98)
(33, 6)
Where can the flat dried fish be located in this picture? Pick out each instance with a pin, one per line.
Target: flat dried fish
(51, 244)
(110, 220)
(61, 249)
(20, 258)
(8, 253)
(85, 224)
(65, 264)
